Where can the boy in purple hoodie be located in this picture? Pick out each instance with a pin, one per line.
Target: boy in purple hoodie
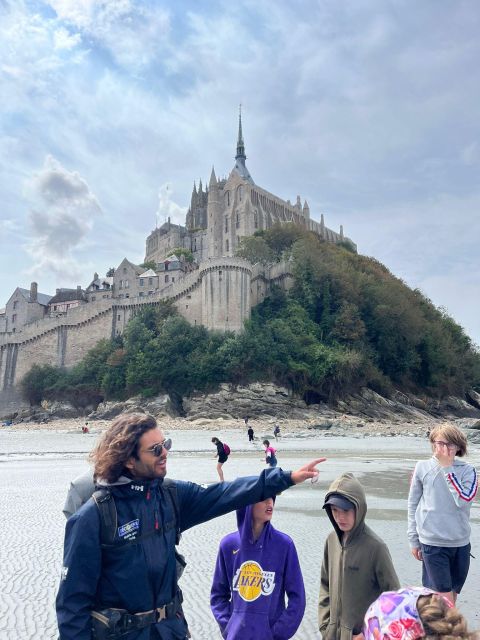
(256, 567)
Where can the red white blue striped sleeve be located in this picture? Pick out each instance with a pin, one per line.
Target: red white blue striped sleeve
(463, 486)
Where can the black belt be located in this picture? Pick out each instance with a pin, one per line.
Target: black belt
(113, 623)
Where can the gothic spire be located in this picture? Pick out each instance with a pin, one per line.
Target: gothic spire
(213, 179)
(240, 143)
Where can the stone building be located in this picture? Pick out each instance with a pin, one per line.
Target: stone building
(99, 288)
(24, 307)
(65, 299)
(229, 210)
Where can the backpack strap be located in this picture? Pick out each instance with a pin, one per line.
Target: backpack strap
(108, 515)
(172, 492)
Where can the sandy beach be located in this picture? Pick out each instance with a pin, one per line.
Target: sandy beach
(37, 463)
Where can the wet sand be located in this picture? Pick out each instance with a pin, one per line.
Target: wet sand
(37, 465)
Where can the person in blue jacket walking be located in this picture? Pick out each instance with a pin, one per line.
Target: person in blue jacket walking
(128, 589)
(257, 566)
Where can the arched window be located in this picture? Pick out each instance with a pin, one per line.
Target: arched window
(227, 198)
(240, 193)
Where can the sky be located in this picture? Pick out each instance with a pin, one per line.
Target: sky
(369, 110)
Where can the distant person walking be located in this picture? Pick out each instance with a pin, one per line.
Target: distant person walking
(441, 495)
(251, 434)
(246, 420)
(276, 431)
(270, 454)
(221, 455)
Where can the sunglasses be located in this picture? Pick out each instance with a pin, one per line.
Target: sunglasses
(159, 447)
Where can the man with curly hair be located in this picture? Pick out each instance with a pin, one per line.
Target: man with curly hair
(128, 587)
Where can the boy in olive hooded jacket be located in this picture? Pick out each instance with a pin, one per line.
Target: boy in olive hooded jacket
(357, 566)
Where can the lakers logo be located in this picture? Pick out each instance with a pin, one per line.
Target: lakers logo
(251, 581)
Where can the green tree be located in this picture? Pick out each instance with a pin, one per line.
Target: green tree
(38, 381)
(255, 249)
(149, 264)
(180, 251)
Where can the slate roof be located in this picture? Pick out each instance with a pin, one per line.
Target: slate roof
(150, 273)
(101, 282)
(42, 298)
(67, 295)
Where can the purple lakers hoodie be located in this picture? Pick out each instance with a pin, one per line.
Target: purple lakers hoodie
(251, 581)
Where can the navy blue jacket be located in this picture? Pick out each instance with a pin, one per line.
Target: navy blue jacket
(142, 576)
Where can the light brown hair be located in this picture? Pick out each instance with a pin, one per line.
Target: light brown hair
(452, 435)
(440, 621)
(119, 443)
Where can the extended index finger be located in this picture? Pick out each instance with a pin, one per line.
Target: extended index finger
(315, 462)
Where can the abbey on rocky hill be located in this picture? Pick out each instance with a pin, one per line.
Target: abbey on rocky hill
(229, 210)
(217, 289)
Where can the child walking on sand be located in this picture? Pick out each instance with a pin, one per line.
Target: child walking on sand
(257, 566)
(270, 454)
(441, 494)
(357, 565)
(222, 456)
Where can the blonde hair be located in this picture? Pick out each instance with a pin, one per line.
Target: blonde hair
(450, 434)
(442, 622)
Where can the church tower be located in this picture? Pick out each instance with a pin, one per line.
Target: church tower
(240, 167)
(214, 218)
(197, 212)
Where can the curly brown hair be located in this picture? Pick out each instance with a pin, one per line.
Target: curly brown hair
(440, 621)
(119, 443)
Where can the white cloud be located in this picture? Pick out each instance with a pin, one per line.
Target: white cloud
(132, 32)
(65, 40)
(62, 215)
(168, 208)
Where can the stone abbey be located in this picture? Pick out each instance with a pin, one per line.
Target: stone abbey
(218, 289)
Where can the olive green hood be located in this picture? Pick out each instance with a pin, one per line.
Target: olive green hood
(355, 570)
(349, 487)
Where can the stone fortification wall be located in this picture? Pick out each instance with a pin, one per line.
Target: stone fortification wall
(61, 341)
(225, 293)
(219, 295)
(263, 277)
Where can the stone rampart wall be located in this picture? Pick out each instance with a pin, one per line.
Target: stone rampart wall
(217, 295)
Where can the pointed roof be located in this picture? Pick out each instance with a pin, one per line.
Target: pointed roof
(149, 273)
(42, 298)
(240, 143)
(240, 167)
(213, 178)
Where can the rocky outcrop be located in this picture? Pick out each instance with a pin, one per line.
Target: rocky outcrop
(258, 399)
(405, 407)
(158, 406)
(270, 400)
